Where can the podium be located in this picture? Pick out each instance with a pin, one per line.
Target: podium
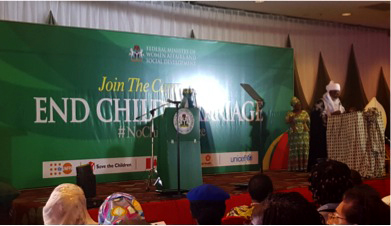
(190, 149)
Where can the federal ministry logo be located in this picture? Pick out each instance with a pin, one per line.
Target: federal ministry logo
(136, 54)
(185, 121)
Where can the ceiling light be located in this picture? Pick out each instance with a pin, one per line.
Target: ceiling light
(346, 14)
(259, 1)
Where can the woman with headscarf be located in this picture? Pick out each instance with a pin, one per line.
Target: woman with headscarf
(298, 136)
(328, 105)
(121, 208)
(66, 205)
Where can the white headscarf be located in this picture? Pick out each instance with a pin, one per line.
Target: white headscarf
(67, 205)
(330, 104)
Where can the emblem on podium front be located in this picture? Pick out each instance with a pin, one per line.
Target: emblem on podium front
(185, 121)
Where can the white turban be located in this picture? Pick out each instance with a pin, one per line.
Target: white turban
(333, 86)
(66, 205)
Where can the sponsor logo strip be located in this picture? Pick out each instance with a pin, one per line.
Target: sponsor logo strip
(229, 159)
(67, 168)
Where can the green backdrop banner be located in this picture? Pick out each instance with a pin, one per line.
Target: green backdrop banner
(72, 96)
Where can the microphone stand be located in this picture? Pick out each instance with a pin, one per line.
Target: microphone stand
(178, 149)
(152, 170)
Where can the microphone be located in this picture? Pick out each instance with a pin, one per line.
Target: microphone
(173, 102)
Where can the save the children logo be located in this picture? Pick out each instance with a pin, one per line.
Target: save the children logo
(136, 54)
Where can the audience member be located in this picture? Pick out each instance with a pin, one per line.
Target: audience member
(66, 205)
(361, 205)
(259, 187)
(207, 204)
(329, 180)
(286, 208)
(121, 208)
(356, 177)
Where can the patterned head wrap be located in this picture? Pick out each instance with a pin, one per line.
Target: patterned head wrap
(294, 101)
(66, 205)
(121, 208)
(329, 180)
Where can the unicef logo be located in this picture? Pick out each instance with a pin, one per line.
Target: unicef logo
(185, 120)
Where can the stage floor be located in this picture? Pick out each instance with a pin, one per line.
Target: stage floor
(281, 180)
